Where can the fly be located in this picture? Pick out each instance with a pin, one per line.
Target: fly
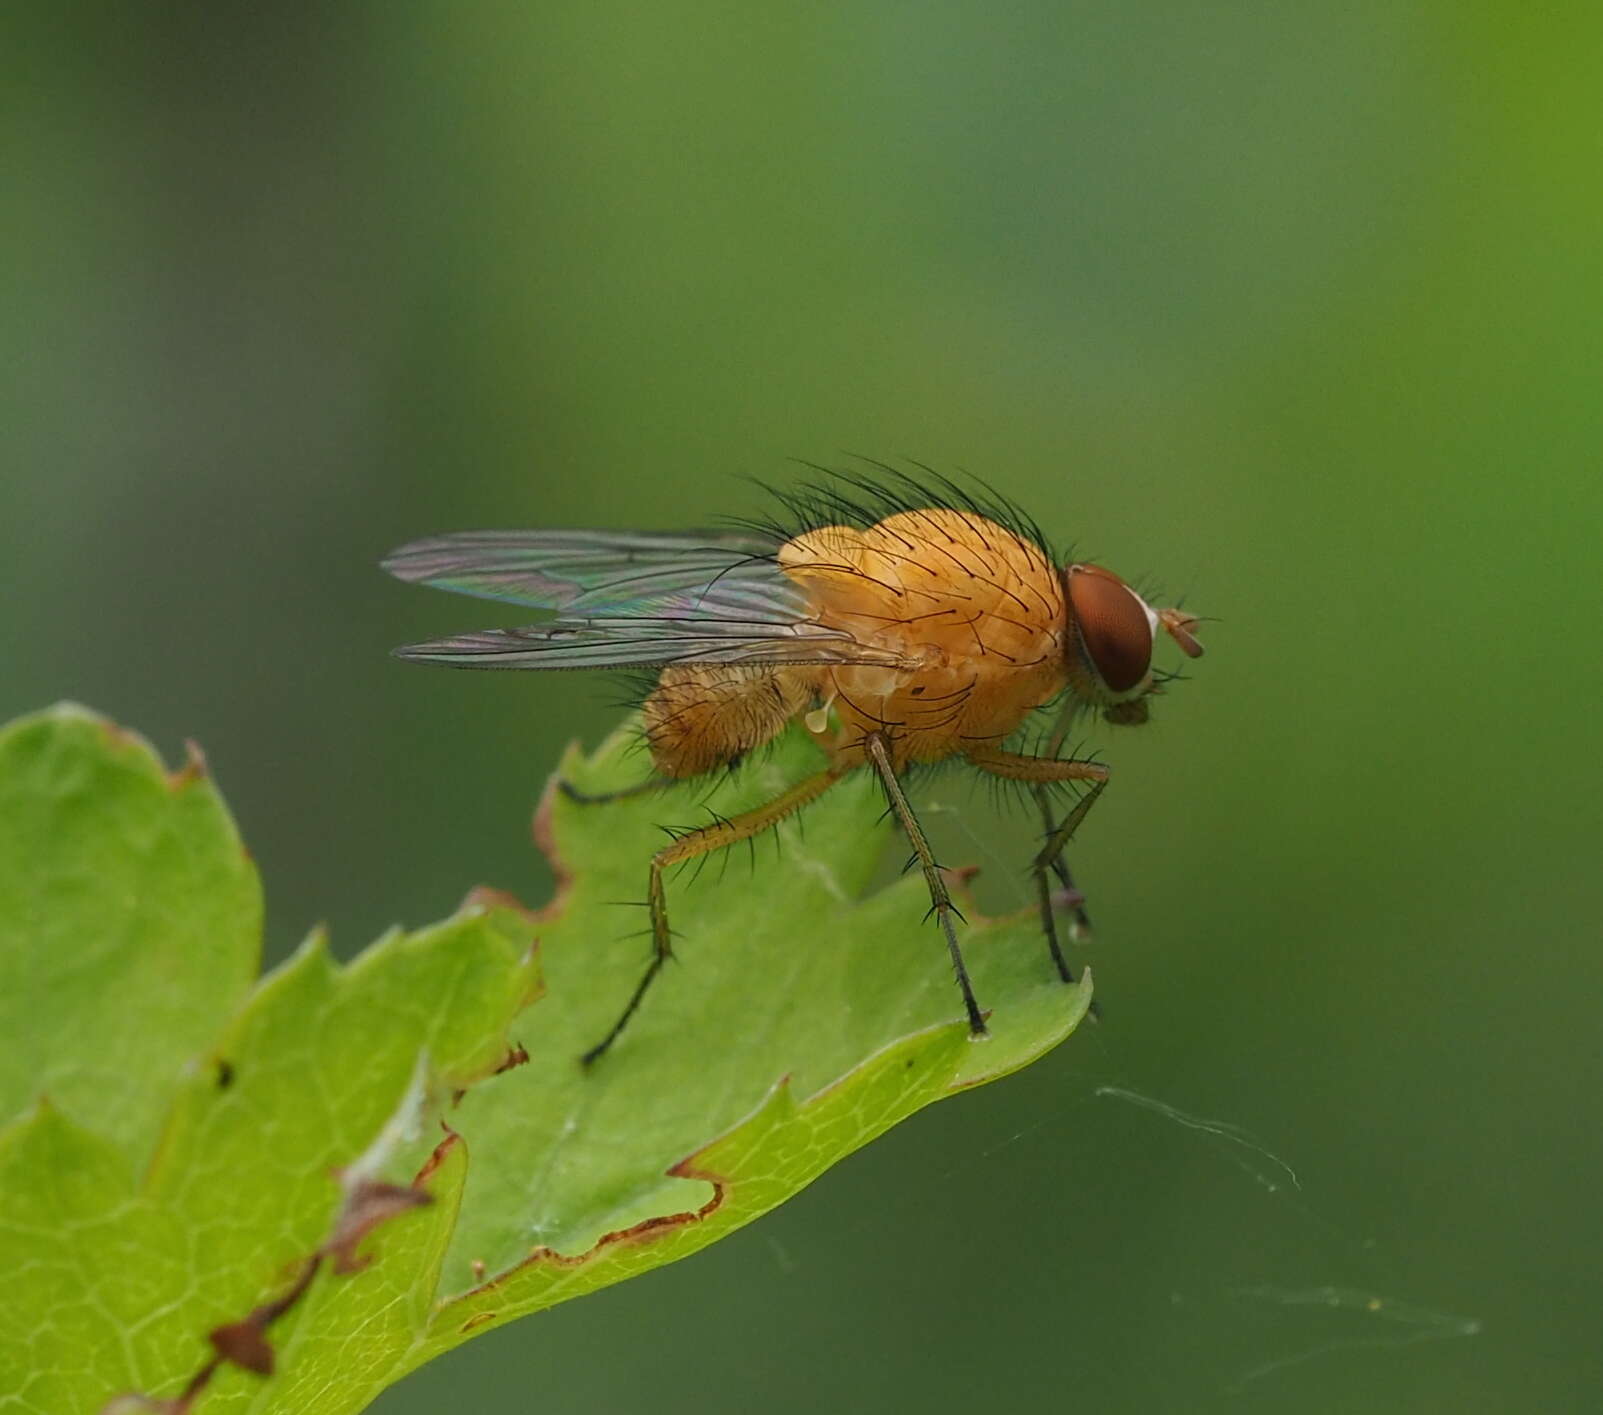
(901, 622)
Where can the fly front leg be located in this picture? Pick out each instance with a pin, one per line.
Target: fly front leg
(1051, 857)
(1069, 896)
(940, 900)
(689, 846)
(1042, 772)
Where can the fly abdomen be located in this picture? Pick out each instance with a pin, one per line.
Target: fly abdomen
(703, 716)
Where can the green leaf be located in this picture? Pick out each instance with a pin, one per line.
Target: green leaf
(94, 1271)
(130, 921)
(801, 1021)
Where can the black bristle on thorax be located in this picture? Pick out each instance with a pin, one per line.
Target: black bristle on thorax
(852, 497)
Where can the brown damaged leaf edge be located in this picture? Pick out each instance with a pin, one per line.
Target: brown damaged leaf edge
(437, 1155)
(370, 1203)
(663, 1225)
(517, 1055)
(545, 842)
(244, 1343)
(118, 737)
(488, 898)
(364, 1207)
(642, 1232)
(647, 1230)
(367, 1204)
(484, 896)
(195, 768)
(125, 739)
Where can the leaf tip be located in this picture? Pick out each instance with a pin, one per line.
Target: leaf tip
(545, 841)
(313, 948)
(192, 771)
(487, 899)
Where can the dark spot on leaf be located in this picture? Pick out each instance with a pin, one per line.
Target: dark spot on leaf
(244, 1344)
(225, 1073)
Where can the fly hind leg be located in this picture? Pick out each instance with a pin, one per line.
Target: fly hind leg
(692, 845)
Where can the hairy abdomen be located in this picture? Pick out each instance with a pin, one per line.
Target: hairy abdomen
(703, 716)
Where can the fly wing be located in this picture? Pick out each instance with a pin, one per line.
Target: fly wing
(602, 572)
(627, 600)
(643, 641)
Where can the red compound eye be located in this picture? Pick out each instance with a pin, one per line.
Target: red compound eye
(1113, 626)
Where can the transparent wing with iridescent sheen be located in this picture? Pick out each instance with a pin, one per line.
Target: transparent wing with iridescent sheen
(626, 600)
(604, 572)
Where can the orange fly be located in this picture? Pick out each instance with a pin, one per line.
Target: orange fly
(902, 621)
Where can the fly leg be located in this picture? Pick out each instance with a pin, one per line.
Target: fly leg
(940, 900)
(689, 846)
(1042, 772)
(1070, 896)
(1051, 857)
(602, 798)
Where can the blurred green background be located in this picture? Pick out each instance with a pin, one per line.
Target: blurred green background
(1297, 308)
